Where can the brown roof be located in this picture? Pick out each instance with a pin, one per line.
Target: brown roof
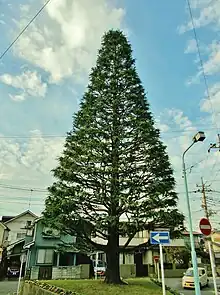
(186, 233)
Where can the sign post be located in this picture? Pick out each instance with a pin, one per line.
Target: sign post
(96, 264)
(22, 259)
(156, 259)
(160, 238)
(206, 229)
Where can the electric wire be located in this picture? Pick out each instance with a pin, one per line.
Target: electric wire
(201, 61)
(24, 29)
(203, 72)
(29, 189)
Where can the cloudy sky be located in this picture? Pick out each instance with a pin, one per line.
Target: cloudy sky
(43, 76)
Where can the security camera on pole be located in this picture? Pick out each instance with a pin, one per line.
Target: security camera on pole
(206, 229)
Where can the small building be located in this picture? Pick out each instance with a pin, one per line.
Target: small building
(14, 234)
(17, 225)
(52, 255)
(215, 236)
(4, 232)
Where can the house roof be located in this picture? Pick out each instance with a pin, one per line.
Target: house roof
(186, 233)
(19, 215)
(16, 243)
(6, 218)
(28, 245)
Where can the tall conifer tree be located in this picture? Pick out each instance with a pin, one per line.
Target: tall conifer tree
(114, 177)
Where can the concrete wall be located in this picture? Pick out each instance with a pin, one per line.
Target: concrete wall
(64, 272)
(128, 271)
(31, 289)
(34, 272)
(174, 273)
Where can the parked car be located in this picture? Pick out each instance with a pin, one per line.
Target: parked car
(100, 268)
(188, 278)
(13, 272)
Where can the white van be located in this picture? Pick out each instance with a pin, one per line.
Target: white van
(188, 279)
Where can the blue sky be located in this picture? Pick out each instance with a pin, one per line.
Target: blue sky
(43, 76)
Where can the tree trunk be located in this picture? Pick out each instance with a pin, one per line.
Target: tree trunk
(113, 263)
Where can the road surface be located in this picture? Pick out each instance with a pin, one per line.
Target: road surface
(176, 285)
(8, 287)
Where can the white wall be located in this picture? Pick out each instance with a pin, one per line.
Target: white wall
(139, 238)
(1, 234)
(18, 226)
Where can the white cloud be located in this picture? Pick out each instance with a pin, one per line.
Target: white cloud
(27, 164)
(29, 83)
(198, 161)
(205, 12)
(64, 42)
(212, 64)
(191, 46)
(212, 104)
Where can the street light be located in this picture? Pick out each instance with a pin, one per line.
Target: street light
(200, 136)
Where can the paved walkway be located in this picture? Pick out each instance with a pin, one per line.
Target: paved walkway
(8, 287)
(176, 284)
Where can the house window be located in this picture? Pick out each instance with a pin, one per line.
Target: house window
(139, 234)
(20, 235)
(45, 256)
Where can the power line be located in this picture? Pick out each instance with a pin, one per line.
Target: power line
(65, 135)
(201, 60)
(24, 29)
(24, 203)
(203, 72)
(29, 189)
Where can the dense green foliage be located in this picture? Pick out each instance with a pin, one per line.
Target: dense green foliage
(114, 177)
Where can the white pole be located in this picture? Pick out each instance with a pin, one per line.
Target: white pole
(162, 270)
(96, 264)
(21, 267)
(158, 271)
(213, 268)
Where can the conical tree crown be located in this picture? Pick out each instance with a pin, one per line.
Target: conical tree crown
(114, 172)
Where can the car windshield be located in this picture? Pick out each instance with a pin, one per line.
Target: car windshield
(100, 263)
(189, 273)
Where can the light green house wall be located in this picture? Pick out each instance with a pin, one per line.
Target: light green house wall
(41, 241)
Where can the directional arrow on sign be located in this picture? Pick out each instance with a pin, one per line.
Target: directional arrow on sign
(159, 238)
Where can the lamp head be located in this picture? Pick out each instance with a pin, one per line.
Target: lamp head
(200, 136)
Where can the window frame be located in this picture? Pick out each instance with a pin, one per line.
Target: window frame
(44, 256)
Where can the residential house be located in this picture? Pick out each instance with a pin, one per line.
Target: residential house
(143, 256)
(4, 231)
(50, 254)
(215, 236)
(197, 238)
(16, 226)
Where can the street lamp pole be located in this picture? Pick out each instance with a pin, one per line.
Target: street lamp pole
(200, 136)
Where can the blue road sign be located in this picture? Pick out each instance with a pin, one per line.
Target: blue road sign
(159, 237)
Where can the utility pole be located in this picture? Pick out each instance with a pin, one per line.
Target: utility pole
(203, 190)
(204, 200)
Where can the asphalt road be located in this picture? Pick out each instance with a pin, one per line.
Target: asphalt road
(176, 285)
(8, 287)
